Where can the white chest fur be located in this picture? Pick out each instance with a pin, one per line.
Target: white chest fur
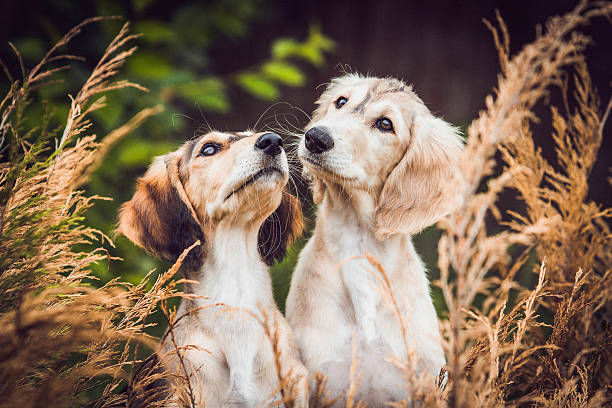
(348, 245)
(234, 285)
(346, 237)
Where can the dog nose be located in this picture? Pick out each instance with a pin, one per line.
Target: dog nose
(270, 143)
(318, 140)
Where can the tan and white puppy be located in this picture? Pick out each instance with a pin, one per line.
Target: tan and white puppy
(228, 191)
(382, 168)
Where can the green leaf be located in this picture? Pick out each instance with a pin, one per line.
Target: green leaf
(149, 65)
(111, 114)
(134, 153)
(32, 49)
(258, 86)
(228, 23)
(311, 50)
(284, 48)
(208, 93)
(137, 153)
(318, 40)
(155, 32)
(109, 8)
(190, 23)
(141, 5)
(312, 55)
(284, 72)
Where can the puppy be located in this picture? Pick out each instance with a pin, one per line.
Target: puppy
(226, 190)
(382, 168)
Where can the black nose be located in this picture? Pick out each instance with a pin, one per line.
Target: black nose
(270, 143)
(318, 140)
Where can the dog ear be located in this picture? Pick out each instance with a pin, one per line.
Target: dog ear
(426, 184)
(160, 218)
(280, 229)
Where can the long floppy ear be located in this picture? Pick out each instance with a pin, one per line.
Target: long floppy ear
(160, 218)
(280, 229)
(426, 184)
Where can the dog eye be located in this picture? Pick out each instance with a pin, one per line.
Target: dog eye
(209, 149)
(384, 125)
(340, 102)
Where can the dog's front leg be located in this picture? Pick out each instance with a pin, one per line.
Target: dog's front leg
(293, 372)
(297, 384)
(240, 357)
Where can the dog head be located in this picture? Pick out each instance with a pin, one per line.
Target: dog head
(376, 135)
(236, 177)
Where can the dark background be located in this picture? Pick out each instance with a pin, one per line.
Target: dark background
(442, 47)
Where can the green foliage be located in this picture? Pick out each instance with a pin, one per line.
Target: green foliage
(284, 73)
(311, 50)
(281, 273)
(41, 214)
(209, 93)
(149, 66)
(155, 32)
(264, 82)
(48, 292)
(173, 62)
(257, 85)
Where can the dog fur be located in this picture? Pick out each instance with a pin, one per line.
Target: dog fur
(235, 202)
(375, 188)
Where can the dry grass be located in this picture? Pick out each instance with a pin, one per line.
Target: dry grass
(516, 361)
(500, 350)
(62, 336)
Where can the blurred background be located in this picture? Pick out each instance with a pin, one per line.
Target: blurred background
(234, 64)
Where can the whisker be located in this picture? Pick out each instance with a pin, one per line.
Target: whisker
(288, 113)
(264, 112)
(210, 129)
(183, 115)
(323, 84)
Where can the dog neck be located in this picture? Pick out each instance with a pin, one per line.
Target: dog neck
(347, 222)
(345, 231)
(233, 286)
(233, 271)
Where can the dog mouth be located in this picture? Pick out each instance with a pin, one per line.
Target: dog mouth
(325, 170)
(268, 171)
(318, 163)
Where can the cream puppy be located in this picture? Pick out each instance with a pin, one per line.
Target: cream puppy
(228, 191)
(382, 168)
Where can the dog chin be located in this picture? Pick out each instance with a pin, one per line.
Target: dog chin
(321, 169)
(260, 188)
(263, 179)
(268, 179)
(260, 196)
(248, 191)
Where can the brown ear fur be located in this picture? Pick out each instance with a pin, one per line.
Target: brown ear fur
(426, 184)
(159, 218)
(280, 229)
